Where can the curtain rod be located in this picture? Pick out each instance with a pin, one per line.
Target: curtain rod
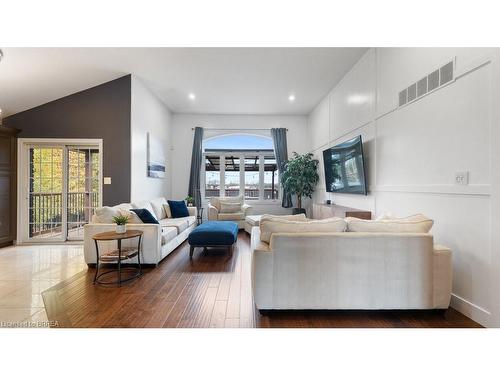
(219, 129)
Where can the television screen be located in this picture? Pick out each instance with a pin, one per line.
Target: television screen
(344, 167)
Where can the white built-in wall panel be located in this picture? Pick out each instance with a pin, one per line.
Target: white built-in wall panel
(426, 142)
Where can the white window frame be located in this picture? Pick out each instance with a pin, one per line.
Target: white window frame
(241, 155)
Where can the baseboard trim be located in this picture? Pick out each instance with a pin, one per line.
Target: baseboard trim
(471, 310)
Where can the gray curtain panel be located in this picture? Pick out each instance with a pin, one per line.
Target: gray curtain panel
(196, 161)
(281, 152)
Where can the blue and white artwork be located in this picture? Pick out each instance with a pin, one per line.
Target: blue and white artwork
(156, 158)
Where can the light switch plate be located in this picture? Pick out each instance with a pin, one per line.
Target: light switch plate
(462, 178)
(107, 180)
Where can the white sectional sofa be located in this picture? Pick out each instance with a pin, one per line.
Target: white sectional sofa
(158, 240)
(349, 270)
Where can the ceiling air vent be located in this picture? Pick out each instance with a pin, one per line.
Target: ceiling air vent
(437, 78)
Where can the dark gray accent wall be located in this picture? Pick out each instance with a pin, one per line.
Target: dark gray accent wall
(100, 112)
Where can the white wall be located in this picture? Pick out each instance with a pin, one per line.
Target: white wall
(413, 152)
(182, 136)
(148, 114)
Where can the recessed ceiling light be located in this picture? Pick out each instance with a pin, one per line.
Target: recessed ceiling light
(192, 96)
(291, 97)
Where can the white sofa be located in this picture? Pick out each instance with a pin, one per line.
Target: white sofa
(158, 240)
(216, 210)
(349, 270)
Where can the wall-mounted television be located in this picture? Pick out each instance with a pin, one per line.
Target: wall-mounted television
(345, 168)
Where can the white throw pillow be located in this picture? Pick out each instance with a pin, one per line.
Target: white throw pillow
(298, 217)
(132, 217)
(274, 225)
(145, 205)
(104, 215)
(411, 224)
(168, 213)
(157, 205)
(229, 207)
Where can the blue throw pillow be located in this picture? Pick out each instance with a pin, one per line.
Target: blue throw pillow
(145, 216)
(178, 209)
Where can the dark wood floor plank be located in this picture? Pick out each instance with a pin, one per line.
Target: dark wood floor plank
(212, 290)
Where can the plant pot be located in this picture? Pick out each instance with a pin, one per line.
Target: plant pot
(297, 211)
(190, 205)
(121, 229)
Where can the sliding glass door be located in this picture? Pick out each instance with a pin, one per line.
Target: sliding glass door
(63, 191)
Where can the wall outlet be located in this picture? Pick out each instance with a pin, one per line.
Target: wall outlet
(462, 178)
(107, 180)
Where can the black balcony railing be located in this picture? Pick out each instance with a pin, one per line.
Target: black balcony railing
(46, 210)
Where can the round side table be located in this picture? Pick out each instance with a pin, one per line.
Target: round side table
(118, 255)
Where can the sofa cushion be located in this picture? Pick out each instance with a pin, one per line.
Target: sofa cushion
(236, 216)
(158, 209)
(146, 205)
(215, 201)
(178, 209)
(181, 224)
(229, 208)
(191, 220)
(168, 234)
(411, 224)
(146, 216)
(275, 225)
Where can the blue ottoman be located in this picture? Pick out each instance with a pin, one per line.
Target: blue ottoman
(213, 234)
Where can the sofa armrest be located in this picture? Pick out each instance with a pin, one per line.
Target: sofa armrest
(443, 276)
(150, 244)
(213, 212)
(193, 211)
(247, 209)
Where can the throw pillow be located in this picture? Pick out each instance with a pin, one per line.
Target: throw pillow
(270, 226)
(158, 208)
(229, 208)
(146, 216)
(166, 207)
(298, 217)
(411, 224)
(132, 217)
(178, 209)
(104, 215)
(145, 205)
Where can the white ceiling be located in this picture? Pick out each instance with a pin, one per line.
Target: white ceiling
(224, 80)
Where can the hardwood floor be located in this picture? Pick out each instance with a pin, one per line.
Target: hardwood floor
(213, 290)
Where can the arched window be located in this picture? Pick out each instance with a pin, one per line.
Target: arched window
(240, 164)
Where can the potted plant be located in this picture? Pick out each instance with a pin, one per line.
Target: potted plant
(120, 222)
(300, 178)
(189, 201)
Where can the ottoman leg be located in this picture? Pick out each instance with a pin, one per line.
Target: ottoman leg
(191, 250)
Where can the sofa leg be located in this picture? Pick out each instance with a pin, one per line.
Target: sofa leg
(191, 250)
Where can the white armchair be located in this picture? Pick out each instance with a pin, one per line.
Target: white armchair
(229, 209)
